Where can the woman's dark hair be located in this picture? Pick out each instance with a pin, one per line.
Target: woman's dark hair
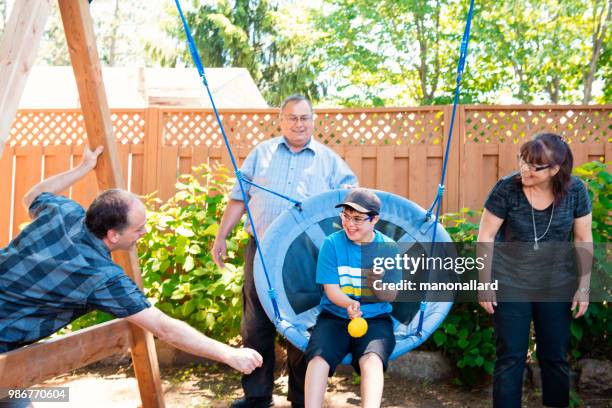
(550, 148)
(108, 211)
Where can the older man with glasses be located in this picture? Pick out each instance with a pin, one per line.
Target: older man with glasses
(295, 165)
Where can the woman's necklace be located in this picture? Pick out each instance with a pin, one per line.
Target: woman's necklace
(535, 234)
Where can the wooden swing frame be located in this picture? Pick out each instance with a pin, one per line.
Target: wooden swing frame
(38, 362)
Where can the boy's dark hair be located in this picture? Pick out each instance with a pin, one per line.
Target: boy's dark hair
(108, 211)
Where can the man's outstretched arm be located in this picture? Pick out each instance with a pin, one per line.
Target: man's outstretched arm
(182, 336)
(62, 181)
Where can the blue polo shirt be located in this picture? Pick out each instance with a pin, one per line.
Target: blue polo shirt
(55, 271)
(299, 175)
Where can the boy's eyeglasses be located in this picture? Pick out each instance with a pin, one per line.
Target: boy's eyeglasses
(533, 167)
(355, 220)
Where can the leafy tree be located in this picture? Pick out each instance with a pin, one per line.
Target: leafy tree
(600, 49)
(3, 15)
(272, 42)
(543, 50)
(397, 52)
(391, 51)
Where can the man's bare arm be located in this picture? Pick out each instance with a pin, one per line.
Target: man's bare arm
(62, 181)
(182, 336)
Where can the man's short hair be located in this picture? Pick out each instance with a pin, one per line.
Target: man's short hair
(109, 211)
(295, 98)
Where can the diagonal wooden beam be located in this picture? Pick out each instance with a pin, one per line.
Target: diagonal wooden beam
(18, 50)
(80, 37)
(38, 362)
(81, 40)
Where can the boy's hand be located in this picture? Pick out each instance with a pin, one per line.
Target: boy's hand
(354, 309)
(374, 276)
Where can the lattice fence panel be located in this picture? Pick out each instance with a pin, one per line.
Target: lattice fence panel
(66, 128)
(380, 127)
(332, 127)
(184, 129)
(518, 125)
(249, 129)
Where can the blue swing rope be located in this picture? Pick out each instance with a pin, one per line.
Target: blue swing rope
(241, 179)
(438, 200)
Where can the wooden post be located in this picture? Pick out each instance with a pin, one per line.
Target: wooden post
(450, 202)
(79, 32)
(152, 141)
(17, 53)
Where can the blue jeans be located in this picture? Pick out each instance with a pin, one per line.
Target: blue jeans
(552, 328)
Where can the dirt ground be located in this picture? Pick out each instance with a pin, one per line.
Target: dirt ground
(216, 386)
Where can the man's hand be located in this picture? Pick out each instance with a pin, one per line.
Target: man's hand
(63, 181)
(90, 159)
(488, 300)
(245, 360)
(219, 251)
(182, 336)
(354, 309)
(581, 300)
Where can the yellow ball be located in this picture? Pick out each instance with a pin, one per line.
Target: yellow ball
(358, 327)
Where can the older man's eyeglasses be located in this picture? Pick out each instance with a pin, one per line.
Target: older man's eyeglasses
(357, 221)
(295, 119)
(532, 167)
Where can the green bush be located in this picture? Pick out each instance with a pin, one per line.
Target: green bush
(466, 335)
(599, 183)
(179, 275)
(590, 334)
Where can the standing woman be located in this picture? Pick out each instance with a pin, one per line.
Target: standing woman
(542, 203)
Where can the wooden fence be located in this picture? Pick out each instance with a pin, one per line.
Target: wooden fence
(393, 149)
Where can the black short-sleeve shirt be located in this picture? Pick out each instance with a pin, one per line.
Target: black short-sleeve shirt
(508, 201)
(515, 261)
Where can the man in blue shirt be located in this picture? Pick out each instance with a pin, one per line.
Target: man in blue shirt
(297, 166)
(59, 268)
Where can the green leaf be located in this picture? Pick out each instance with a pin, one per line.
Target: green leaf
(210, 321)
(184, 231)
(211, 230)
(439, 337)
(576, 330)
(199, 272)
(188, 265)
(178, 294)
(195, 249)
(188, 308)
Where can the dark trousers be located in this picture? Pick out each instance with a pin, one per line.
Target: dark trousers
(552, 328)
(258, 333)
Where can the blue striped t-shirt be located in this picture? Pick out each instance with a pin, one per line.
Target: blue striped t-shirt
(340, 262)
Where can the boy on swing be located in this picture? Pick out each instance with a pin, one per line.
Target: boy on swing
(339, 270)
